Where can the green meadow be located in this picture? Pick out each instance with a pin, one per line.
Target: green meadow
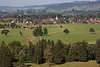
(70, 64)
(78, 32)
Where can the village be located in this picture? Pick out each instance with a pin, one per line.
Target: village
(52, 20)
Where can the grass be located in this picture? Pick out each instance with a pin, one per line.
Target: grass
(71, 64)
(78, 32)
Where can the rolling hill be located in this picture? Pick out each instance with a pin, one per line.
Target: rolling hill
(72, 7)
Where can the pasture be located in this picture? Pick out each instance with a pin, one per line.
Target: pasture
(78, 32)
(71, 64)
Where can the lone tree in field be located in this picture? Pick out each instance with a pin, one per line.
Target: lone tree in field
(91, 30)
(98, 51)
(5, 32)
(66, 31)
(45, 31)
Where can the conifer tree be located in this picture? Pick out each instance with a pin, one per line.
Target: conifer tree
(58, 53)
(78, 52)
(39, 54)
(6, 57)
(98, 51)
(48, 55)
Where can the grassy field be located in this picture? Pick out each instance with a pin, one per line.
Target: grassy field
(71, 64)
(78, 32)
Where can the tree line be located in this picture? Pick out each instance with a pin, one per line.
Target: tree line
(10, 25)
(47, 51)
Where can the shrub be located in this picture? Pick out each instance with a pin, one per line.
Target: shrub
(5, 32)
(91, 30)
(66, 31)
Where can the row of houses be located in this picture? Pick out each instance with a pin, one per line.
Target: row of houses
(50, 20)
(55, 21)
(84, 21)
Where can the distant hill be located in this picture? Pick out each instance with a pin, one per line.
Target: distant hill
(72, 7)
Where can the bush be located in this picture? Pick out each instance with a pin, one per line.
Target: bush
(38, 31)
(5, 32)
(91, 30)
(66, 31)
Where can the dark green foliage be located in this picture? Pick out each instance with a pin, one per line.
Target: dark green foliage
(15, 47)
(6, 57)
(66, 31)
(98, 51)
(48, 55)
(29, 52)
(38, 31)
(45, 31)
(91, 52)
(39, 53)
(5, 32)
(67, 47)
(13, 25)
(47, 51)
(61, 26)
(4, 25)
(58, 53)
(78, 52)
(21, 34)
(91, 30)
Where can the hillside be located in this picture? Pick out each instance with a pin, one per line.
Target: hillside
(72, 7)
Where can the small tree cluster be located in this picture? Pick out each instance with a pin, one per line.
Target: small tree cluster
(39, 32)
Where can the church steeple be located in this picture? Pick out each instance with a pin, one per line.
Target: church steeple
(56, 18)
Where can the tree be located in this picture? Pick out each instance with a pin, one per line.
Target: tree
(61, 26)
(58, 53)
(21, 56)
(29, 52)
(39, 53)
(91, 30)
(91, 52)
(38, 31)
(45, 31)
(5, 32)
(84, 54)
(15, 47)
(6, 57)
(66, 31)
(13, 25)
(48, 54)
(78, 52)
(67, 47)
(98, 51)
